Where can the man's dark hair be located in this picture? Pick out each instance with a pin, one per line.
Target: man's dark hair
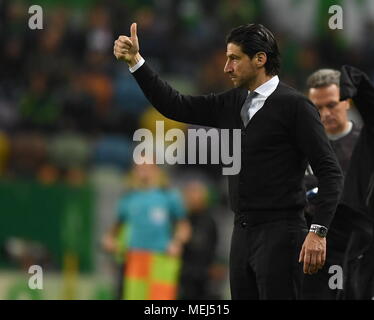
(253, 38)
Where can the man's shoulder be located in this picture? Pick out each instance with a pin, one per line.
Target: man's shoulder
(286, 90)
(356, 127)
(293, 97)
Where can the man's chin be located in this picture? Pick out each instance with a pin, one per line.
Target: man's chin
(332, 130)
(330, 127)
(237, 84)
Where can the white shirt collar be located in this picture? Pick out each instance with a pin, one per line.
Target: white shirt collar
(267, 88)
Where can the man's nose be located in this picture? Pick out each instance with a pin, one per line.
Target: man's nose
(227, 68)
(325, 112)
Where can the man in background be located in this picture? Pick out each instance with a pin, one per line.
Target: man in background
(325, 92)
(199, 252)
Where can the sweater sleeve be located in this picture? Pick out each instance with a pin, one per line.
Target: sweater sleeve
(199, 110)
(356, 85)
(312, 140)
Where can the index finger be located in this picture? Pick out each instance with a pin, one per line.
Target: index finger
(124, 39)
(323, 257)
(306, 262)
(313, 263)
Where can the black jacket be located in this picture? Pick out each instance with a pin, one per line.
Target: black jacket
(276, 145)
(359, 182)
(356, 207)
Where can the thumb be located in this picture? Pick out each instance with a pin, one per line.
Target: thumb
(133, 31)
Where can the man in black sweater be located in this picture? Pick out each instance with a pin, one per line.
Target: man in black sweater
(280, 132)
(350, 240)
(324, 92)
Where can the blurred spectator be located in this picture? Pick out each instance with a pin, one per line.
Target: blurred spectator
(113, 151)
(78, 111)
(25, 253)
(9, 115)
(4, 152)
(39, 108)
(200, 251)
(75, 177)
(100, 87)
(210, 80)
(127, 94)
(28, 153)
(99, 37)
(68, 150)
(48, 174)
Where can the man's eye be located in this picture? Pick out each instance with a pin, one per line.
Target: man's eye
(331, 105)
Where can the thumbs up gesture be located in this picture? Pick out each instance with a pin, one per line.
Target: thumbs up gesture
(127, 48)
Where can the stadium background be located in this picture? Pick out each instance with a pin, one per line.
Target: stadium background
(68, 111)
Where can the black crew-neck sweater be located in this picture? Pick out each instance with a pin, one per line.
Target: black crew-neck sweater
(276, 146)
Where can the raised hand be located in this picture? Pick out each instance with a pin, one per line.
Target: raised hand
(127, 48)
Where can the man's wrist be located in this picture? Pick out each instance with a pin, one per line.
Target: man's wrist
(319, 230)
(137, 59)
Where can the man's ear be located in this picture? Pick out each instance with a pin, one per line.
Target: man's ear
(349, 103)
(261, 59)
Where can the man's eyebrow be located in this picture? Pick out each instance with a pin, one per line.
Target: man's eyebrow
(331, 103)
(232, 55)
